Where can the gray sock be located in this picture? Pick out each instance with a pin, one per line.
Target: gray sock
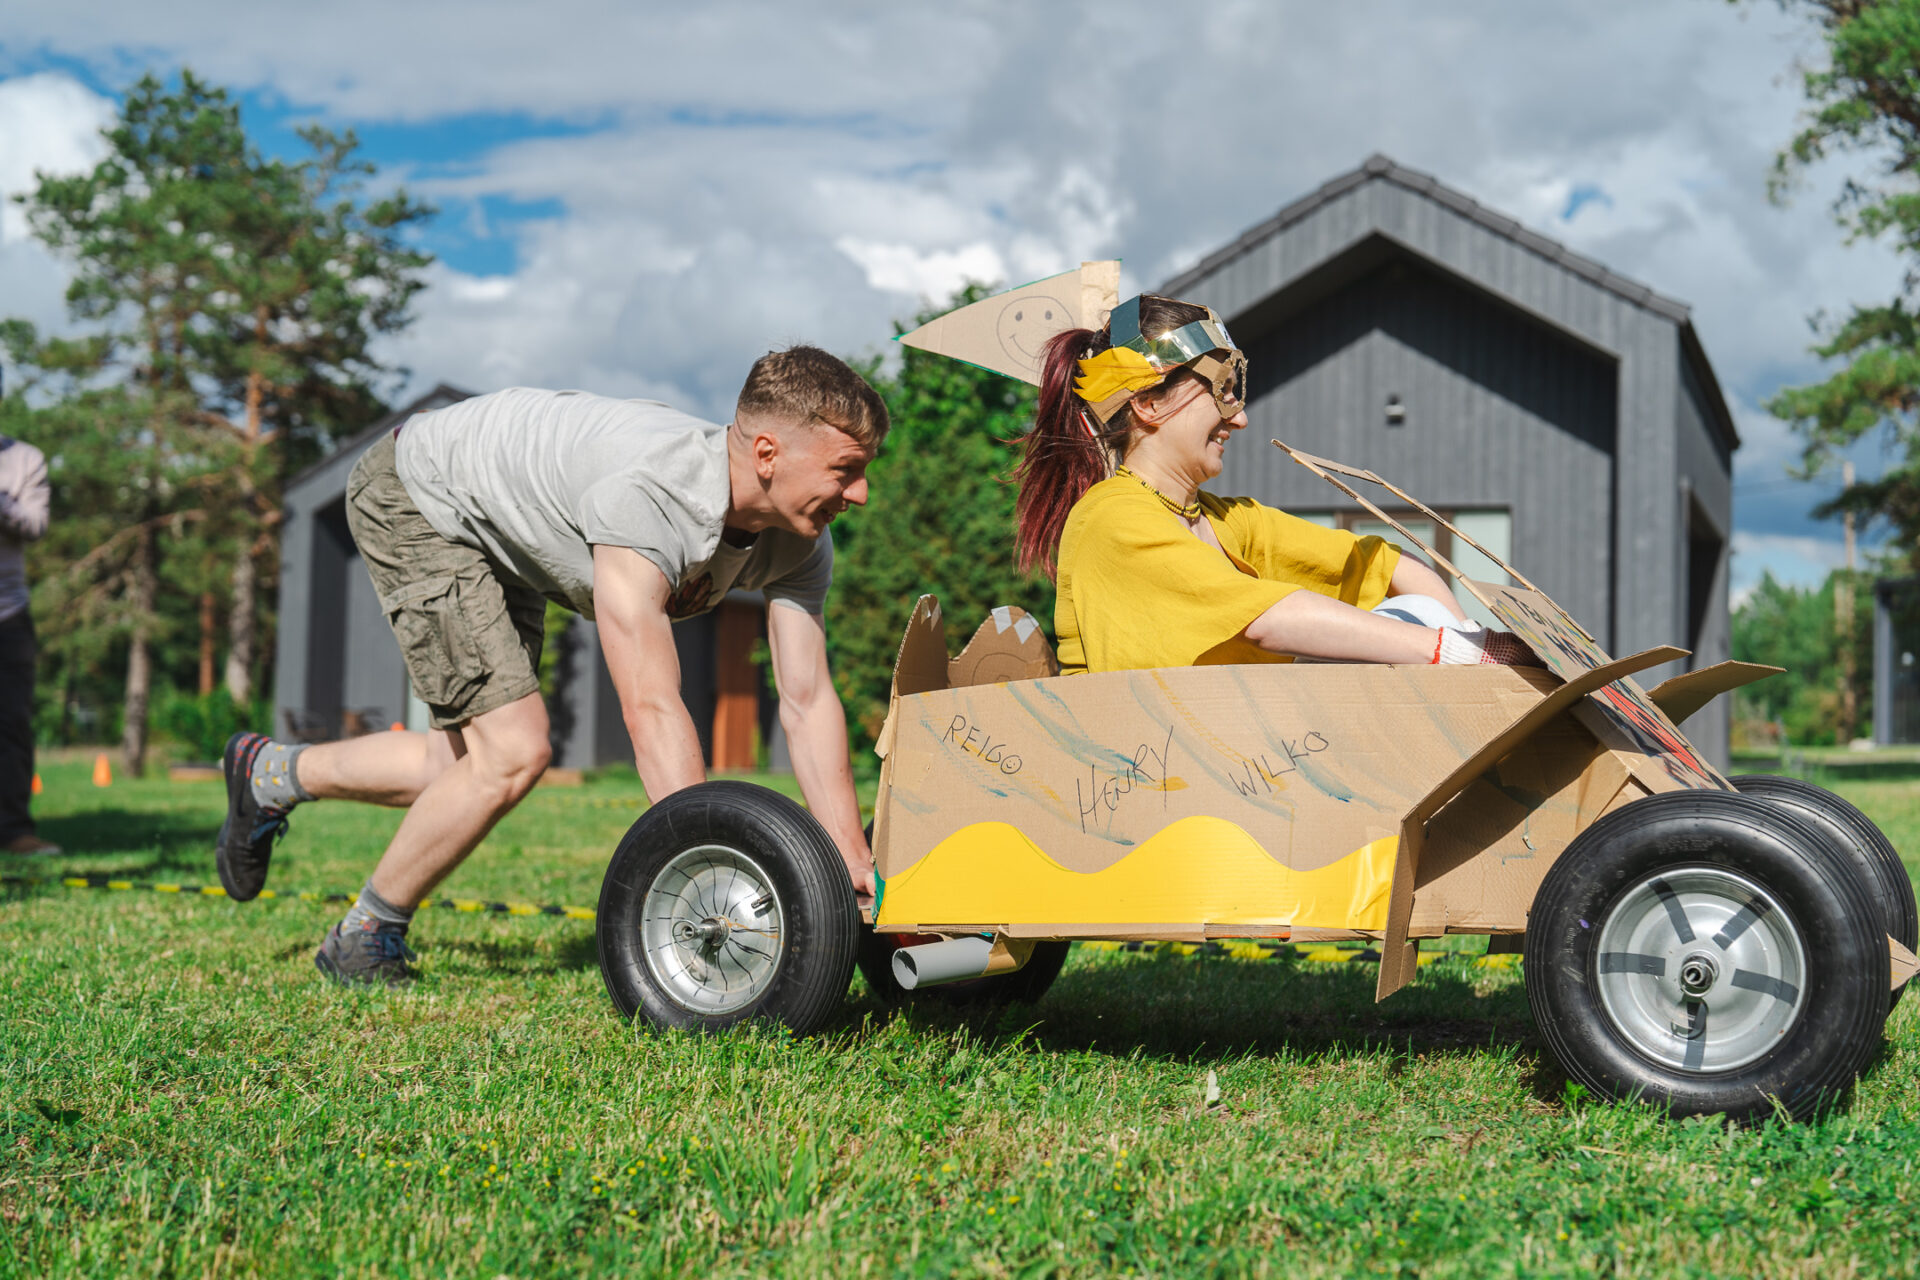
(372, 912)
(276, 779)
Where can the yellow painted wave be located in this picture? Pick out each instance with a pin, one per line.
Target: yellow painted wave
(1199, 870)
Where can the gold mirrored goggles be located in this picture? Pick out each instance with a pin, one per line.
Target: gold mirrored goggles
(1225, 373)
(1137, 361)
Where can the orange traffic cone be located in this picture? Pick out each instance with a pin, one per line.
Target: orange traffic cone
(102, 771)
(36, 784)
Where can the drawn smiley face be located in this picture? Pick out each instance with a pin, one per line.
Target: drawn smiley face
(1025, 325)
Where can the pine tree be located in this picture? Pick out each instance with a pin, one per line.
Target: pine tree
(1866, 100)
(232, 303)
(308, 280)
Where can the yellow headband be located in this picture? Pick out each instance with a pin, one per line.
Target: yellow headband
(1110, 379)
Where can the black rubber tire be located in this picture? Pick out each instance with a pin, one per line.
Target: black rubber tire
(1024, 985)
(822, 927)
(1831, 907)
(1854, 832)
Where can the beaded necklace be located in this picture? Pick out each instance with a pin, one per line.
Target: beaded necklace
(1189, 513)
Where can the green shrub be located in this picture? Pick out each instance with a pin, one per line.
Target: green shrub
(203, 723)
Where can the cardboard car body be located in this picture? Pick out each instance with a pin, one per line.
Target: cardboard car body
(1305, 800)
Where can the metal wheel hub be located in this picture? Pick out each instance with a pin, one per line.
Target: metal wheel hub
(712, 929)
(1700, 969)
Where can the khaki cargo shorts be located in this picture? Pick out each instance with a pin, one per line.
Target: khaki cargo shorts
(471, 642)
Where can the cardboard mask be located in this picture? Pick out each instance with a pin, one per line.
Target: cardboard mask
(1137, 361)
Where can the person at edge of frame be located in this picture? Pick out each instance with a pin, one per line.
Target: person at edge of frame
(1133, 419)
(471, 517)
(24, 499)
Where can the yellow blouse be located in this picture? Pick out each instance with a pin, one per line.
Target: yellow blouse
(1138, 589)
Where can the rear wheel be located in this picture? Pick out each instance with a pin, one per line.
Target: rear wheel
(1873, 854)
(1711, 952)
(1024, 985)
(726, 902)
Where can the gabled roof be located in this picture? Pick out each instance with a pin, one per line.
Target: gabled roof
(1380, 168)
(1385, 169)
(442, 395)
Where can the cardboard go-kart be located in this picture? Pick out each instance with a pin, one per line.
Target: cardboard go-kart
(1715, 946)
(1719, 947)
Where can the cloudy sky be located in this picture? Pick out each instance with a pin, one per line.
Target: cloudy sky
(638, 198)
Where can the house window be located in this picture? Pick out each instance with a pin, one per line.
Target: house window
(1492, 528)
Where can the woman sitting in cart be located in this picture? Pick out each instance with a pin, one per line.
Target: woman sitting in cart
(1153, 571)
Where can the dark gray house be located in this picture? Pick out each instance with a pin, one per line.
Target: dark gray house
(1565, 417)
(338, 670)
(1896, 677)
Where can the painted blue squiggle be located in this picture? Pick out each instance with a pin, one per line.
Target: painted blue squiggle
(1309, 768)
(1034, 697)
(1205, 758)
(910, 802)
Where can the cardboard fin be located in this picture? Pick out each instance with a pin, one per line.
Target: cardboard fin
(1904, 962)
(1446, 524)
(920, 667)
(1008, 333)
(922, 664)
(1327, 469)
(1009, 645)
(1397, 956)
(1603, 782)
(1685, 694)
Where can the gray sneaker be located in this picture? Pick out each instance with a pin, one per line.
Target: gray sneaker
(245, 842)
(366, 957)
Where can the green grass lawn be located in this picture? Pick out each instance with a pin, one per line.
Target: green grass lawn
(182, 1094)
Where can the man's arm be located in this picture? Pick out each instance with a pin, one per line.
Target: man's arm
(24, 495)
(816, 728)
(630, 606)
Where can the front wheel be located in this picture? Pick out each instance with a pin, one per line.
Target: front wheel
(726, 902)
(1711, 952)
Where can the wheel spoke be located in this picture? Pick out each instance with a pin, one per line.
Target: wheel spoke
(1743, 920)
(1675, 912)
(1765, 984)
(1629, 962)
(1696, 1035)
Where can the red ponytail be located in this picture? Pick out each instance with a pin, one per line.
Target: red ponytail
(1062, 459)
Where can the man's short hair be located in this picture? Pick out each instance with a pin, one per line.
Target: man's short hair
(806, 384)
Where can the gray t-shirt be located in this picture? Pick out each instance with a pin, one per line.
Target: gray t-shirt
(537, 478)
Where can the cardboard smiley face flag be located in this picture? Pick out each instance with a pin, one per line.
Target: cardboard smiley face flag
(1007, 333)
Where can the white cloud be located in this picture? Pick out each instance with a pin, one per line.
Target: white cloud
(897, 268)
(49, 123)
(750, 173)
